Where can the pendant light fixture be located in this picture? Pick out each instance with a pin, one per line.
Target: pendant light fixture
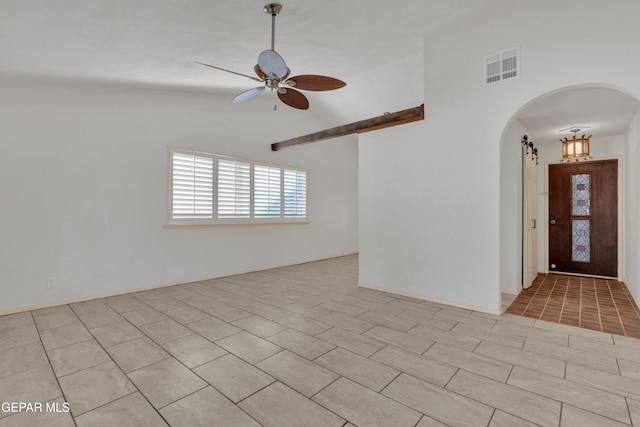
(576, 148)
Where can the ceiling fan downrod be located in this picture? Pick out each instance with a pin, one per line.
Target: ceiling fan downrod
(273, 9)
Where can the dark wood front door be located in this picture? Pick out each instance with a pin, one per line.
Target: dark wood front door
(583, 218)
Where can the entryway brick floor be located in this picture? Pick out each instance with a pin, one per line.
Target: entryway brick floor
(592, 303)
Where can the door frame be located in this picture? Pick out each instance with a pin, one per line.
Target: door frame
(621, 199)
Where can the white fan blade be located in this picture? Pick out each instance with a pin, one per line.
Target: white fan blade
(271, 62)
(248, 94)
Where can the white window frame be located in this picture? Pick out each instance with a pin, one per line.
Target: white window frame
(285, 214)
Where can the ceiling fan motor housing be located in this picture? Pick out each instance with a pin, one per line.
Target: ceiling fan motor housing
(272, 9)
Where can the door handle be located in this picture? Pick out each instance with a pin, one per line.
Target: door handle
(552, 222)
(534, 222)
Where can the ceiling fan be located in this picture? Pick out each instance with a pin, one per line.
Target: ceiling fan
(273, 72)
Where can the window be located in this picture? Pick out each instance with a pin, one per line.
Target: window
(192, 186)
(209, 188)
(295, 193)
(266, 191)
(234, 189)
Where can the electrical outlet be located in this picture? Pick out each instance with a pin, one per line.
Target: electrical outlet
(52, 282)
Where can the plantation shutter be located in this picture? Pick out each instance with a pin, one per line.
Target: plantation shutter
(234, 189)
(192, 186)
(266, 191)
(295, 193)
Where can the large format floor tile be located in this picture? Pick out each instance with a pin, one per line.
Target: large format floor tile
(472, 362)
(301, 343)
(94, 387)
(530, 406)
(435, 372)
(206, 408)
(16, 337)
(359, 344)
(166, 381)
(76, 357)
(12, 321)
(438, 403)
(44, 418)
(280, 406)
(35, 385)
(590, 399)
(137, 353)
(234, 377)
(347, 399)
(194, 350)
(21, 359)
(304, 376)
(116, 333)
(248, 347)
(364, 371)
(129, 411)
(305, 346)
(65, 335)
(165, 331)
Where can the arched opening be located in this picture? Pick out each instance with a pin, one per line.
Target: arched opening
(603, 111)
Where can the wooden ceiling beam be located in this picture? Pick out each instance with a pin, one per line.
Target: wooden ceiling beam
(375, 123)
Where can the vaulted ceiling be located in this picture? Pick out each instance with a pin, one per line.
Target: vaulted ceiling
(155, 42)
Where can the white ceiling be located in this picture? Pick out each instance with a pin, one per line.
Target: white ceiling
(598, 111)
(155, 42)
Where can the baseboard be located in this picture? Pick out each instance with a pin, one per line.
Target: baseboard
(158, 286)
(430, 299)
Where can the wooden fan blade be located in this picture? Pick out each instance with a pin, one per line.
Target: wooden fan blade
(228, 71)
(315, 82)
(293, 98)
(248, 94)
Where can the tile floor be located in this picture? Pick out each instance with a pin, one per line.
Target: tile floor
(603, 305)
(304, 346)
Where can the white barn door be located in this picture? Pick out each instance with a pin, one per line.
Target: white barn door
(529, 221)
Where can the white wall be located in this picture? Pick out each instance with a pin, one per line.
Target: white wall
(83, 189)
(395, 86)
(449, 217)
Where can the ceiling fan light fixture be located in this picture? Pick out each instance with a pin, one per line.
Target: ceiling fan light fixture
(270, 62)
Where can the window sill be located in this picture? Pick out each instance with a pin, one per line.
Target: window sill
(232, 223)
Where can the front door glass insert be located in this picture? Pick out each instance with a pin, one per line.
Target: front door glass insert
(581, 194)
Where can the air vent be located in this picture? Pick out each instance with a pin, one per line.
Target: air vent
(502, 66)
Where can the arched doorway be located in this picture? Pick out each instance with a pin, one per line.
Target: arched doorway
(602, 111)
